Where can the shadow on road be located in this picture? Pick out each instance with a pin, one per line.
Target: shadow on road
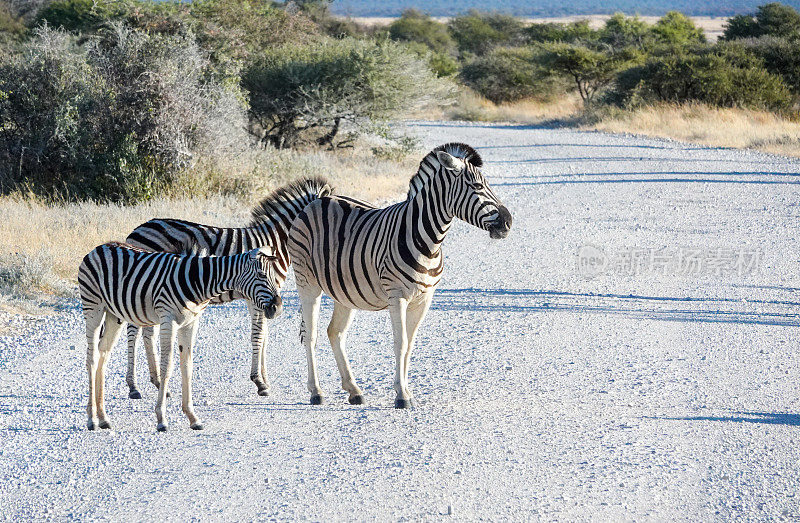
(664, 308)
(767, 418)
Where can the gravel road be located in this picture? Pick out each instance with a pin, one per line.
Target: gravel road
(629, 352)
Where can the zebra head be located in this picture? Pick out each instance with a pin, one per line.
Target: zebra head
(470, 197)
(260, 282)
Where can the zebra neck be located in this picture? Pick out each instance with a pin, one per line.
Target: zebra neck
(210, 276)
(427, 221)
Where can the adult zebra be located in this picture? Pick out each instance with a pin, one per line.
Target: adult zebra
(370, 259)
(271, 220)
(121, 283)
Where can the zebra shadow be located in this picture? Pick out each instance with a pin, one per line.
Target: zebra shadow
(663, 308)
(765, 418)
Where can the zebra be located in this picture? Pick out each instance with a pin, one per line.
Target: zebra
(370, 259)
(121, 283)
(271, 219)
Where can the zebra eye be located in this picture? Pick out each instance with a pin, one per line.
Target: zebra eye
(478, 186)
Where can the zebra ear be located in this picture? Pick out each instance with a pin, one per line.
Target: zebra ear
(450, 162)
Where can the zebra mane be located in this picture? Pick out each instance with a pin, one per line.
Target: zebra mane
(457, 149)
(309, 189)
(123, 245)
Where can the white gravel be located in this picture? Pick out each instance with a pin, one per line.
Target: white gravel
(540, 393)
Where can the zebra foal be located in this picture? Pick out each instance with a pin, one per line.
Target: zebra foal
(271, 219)
(370, 259)
(119, 283)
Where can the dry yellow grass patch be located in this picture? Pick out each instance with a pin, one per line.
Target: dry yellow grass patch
(471, 106)
(737, 128)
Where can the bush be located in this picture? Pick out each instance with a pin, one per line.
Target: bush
(318, 87)
(507, 74)
(555, 32)
(781, 56)
(677, 29)
(77, 15)
(590, 70)
(113, 120)
(722, 76)
(478, 32)
(414, 26)
(773, 19)
(622, 31)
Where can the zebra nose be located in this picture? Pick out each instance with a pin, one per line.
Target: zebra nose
(504, 218)
(274, 309)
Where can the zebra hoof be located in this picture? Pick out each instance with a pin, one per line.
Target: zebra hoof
(400, 403)
(91, 425)
(358, 399)
(161, 427)
(317, 399)
(197, 426)
(105, 425)
(263, 392)
(135, 394)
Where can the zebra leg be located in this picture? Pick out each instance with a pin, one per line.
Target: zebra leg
(94, 324)
(186, 338)
(148, 337)
(309, 306)
(337, 333)
(166, 337)
(414, 318)
(133, 337)
(258, 331)
(398, 307)
(112, 328)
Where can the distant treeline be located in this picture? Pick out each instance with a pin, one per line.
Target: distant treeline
(116, 99)
(548, 9)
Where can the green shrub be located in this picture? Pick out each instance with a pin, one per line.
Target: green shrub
(723, 76)
(477, 32)
(296, 89)
(781, 56)
(677, 29)
(78, 15)
(588, 69)
(414, 26)
(773, 19)
(114, 120)
(508, 74)
(556, 32)
(622, 31)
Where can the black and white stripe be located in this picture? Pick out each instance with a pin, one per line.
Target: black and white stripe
(370, 259)
(270, 224)
(120, 283)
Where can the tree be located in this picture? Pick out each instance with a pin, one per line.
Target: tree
(477, 32)
(507, 74)
(556, 32)
(622, 31)
(589, 69)
(677, 28)
(414, 26)
(773, 19)
(298, 89)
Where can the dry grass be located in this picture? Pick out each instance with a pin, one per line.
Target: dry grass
(736, 128)
(473, 107)
(695, 123)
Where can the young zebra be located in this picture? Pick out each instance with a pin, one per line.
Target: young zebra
(271, 220)
(121, 283)
(371, 259)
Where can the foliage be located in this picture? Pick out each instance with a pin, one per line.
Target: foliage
(78, 15)
(299, 88)
(112, 120)
(477, 32)
(590, 70)
(507, 74)
(622, 31)
(677, 29)
(781, 56)
(722, 76)
(414, 26)
(557, 32)
(773, 19)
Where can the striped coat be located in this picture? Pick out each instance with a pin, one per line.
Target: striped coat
(372, 259)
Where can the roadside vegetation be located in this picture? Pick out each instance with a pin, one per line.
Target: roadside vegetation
(114, 111)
